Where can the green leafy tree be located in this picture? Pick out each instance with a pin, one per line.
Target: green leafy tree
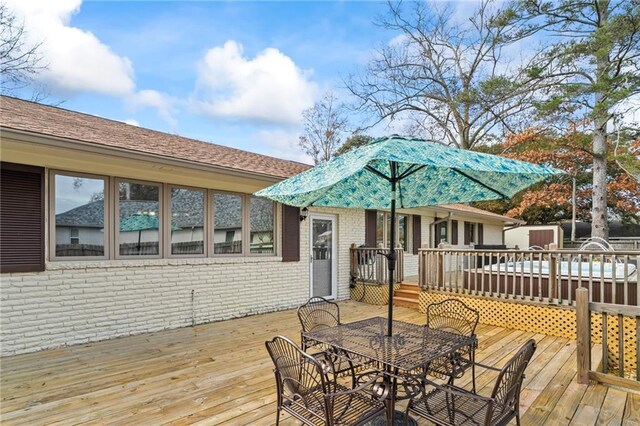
(593, 65)
(354, 141)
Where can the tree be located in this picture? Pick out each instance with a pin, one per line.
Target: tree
(594, 67)
(20, 61)
(324, 125)
(550, 201)
(354, 141)
(451, 80)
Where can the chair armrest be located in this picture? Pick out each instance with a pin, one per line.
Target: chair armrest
(460, 393)
(380, 394)
(488, 367)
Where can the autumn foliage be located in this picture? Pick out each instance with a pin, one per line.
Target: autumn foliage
(551, 201)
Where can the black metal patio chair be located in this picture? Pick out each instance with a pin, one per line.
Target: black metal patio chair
(308, 391)
(453, 316)
(317, 312)
(450, 405)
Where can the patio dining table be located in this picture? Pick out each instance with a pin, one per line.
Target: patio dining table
(403, 358)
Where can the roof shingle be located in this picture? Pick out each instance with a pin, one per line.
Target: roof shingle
(58, 122)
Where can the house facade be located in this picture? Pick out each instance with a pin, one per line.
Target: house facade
(108, 229)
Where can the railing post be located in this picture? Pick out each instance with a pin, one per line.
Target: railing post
(583, 338)
(441, 265)
(353, 260)
(553, 276)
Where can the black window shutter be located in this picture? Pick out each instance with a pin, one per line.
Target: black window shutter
(417, 233)
(21, 218)
(454, 232)
(290, 234)
(480, 234)
(370, 228)
(467, 233)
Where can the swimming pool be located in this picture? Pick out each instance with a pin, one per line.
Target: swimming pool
(597, 270)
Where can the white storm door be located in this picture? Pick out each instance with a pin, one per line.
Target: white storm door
(323, 255)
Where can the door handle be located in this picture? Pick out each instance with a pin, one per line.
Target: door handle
(310, 258)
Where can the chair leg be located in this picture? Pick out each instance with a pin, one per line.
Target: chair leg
(518, 419)
(406, 413)
(278, 416)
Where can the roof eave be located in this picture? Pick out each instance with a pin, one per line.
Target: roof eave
(56, 141)
(497, 218)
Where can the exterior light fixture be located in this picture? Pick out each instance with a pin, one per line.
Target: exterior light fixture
(303, 214)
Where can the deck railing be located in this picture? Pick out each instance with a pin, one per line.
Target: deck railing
(369, 265)
(617, 328)
(545, 276)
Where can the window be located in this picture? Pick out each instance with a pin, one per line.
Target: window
(227, 220)
(261, 226)
(138, 219)
(380, 227)
(187, 221)
(80, 216)
(403, 231)
(75, 236)
(383, 230)
(95, 217)
(441, 233)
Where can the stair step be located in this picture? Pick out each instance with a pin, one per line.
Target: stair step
(406, 303)
(408, 294)
(411, 286)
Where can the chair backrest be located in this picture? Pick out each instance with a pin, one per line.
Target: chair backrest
(318, 312)
(297, 374)
(507, 388)
(454, 316)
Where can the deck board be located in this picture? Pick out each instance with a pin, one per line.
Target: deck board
(220, 373)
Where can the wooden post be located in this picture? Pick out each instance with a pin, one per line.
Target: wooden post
(583, 338)
(441, 265)
(553, 276)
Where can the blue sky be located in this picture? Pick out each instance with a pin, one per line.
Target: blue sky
(233, 73)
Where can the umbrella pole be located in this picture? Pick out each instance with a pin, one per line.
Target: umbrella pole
(391, 257)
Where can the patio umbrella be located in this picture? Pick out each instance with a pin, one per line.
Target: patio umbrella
(141, 222)
(411, 172)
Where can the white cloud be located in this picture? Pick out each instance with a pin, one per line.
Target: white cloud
(153, 99)
(282, 144)
(269, 87)
(132, 122)
(76, 60)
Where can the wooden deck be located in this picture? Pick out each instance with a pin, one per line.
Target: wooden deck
(220, 373)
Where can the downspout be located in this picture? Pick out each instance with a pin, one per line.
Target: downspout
(437, 221)
(504, 230)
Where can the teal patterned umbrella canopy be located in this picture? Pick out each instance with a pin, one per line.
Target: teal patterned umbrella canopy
(396, 171)
(436, 174)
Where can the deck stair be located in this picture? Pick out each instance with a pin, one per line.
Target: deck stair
(407, 295)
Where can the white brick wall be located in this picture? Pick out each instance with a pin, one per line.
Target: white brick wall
(79, 302)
